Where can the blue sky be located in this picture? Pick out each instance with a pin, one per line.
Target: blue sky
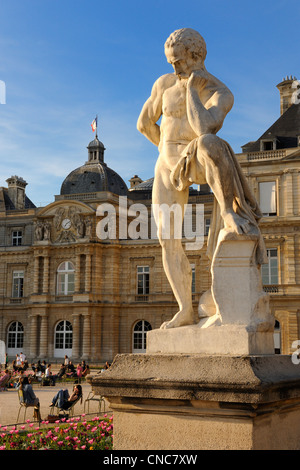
(64, 61)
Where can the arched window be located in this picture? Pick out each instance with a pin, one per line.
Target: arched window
(65, 278)
(15, 338)
(140, 336)
(63, 339)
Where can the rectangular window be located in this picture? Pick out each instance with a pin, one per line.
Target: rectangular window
(18, 284)
(267, 196)
(269, 271)
(207, 225)
(143, 275)
(193, 278)
(65, 283)
(16, 238)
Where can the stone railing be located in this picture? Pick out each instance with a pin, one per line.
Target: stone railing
(266, 155)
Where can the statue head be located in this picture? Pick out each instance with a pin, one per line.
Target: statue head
(189, 40)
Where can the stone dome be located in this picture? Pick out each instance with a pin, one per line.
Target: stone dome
(94, 175)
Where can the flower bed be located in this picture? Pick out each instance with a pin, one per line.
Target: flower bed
(67, 434)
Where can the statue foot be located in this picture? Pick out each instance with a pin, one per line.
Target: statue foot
(182, 318)
(215, 320)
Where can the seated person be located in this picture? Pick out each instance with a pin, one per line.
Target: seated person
(85, 369)
(49, 375)
(71, 369)
(61, 371)
(22, 378)
(63, 400)
(29, 397)
(4, 377)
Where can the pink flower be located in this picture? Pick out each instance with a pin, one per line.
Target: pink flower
(83, 447)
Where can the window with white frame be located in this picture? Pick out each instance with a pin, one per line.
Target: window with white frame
(140, 336)
(267, 198)
(63, 338)
(15, 336)
(269, 271)
(18, 284)
(143, 277)
(16, 238)
(65, 278)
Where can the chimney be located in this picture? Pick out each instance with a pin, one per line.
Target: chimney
(16, 191)
(134, 181)
(286, 90)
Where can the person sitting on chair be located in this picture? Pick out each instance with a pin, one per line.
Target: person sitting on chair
(4, 378)
(29, 397)
(63, 400)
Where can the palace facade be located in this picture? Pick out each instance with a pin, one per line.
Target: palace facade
(76, 280)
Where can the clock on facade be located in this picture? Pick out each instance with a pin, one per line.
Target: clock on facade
(66, 224)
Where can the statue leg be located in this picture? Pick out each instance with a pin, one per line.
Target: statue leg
(175, 262)
(219, 173)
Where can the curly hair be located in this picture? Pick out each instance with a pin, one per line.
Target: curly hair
(191, 40)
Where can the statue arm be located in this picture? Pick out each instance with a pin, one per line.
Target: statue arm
(208, 118)
(152, 110)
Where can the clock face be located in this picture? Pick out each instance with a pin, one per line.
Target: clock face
(66, 224)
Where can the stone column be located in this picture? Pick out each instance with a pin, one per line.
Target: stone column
(44, 352)
(77, 273)
(86, 341)
(33, 336)
(289, 256)
(88, 260)
(36, 275)
(76, 335)
(46, 275)
(288, 186)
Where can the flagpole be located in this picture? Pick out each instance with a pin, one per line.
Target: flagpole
(96, 126)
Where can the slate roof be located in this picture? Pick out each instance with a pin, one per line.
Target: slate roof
(93, 177)
(9, 206)
(286, 130)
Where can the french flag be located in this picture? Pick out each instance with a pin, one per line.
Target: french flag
(94, 124)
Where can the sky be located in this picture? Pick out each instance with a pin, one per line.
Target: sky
(63, 62)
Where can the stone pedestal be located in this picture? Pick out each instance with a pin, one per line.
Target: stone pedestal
(200, 402)
(222, 339)
(213, 385)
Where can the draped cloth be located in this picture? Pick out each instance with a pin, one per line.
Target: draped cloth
(189, 170)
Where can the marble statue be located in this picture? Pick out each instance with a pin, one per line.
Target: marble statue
(192, 105)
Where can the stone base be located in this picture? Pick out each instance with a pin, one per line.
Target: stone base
(200, 402)
(223, 339)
